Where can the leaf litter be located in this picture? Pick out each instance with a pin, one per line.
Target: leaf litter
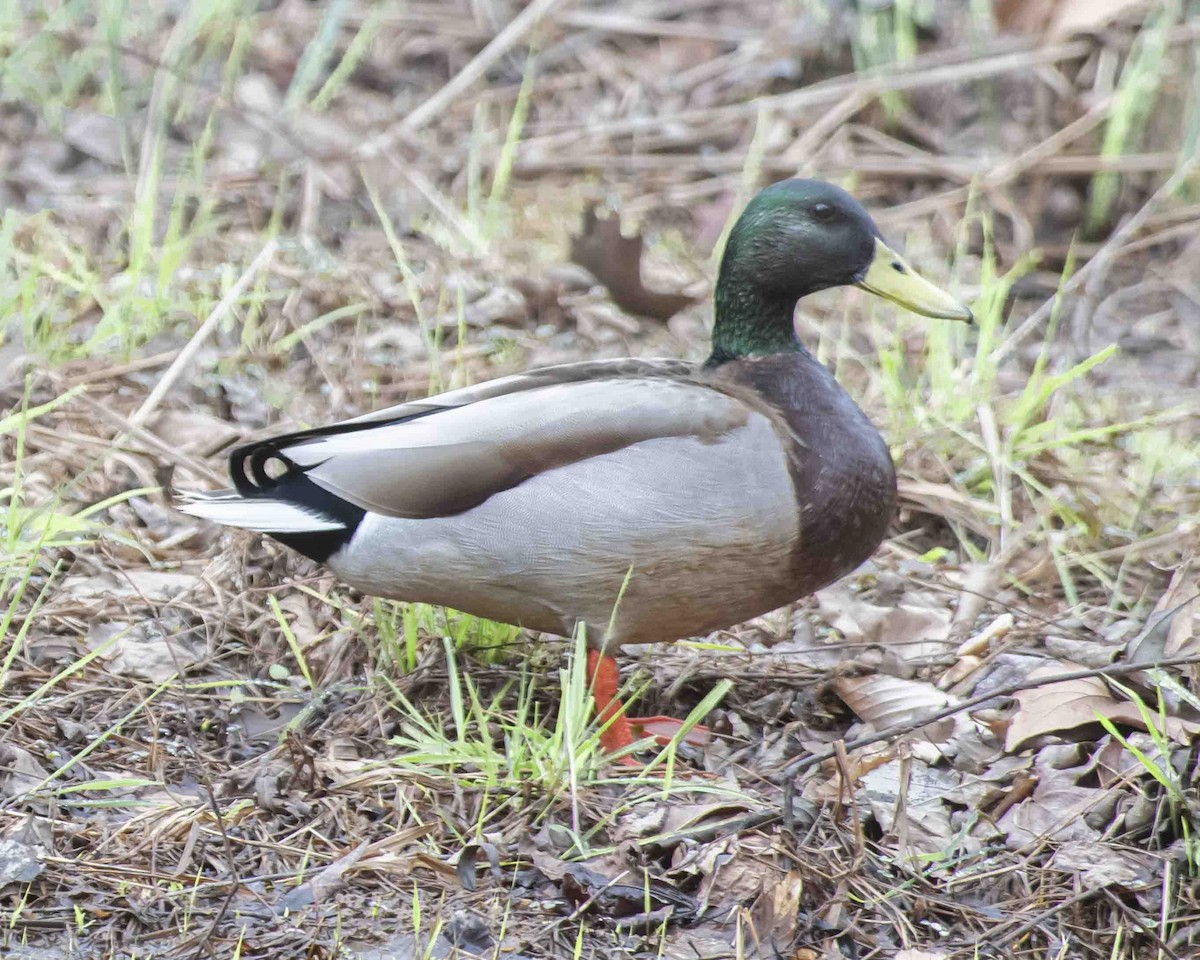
(251, 786)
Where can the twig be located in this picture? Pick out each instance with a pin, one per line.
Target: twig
(1102, 259)
(915, 74)
(507, 38)
(1139, 923)
(609, 22)
(1039, 918)
(190, 349)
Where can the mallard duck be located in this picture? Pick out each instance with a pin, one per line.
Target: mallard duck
(648, 500)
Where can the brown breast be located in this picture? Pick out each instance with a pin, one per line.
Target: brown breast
(842, 471)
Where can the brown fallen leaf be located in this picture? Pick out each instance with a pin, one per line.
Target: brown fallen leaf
(1076, 703)
(731, 870)
(149, 586)
(19, 862)
(666, 820)
(884, 701)
(1058, 18)
(153, 649)
(323, 883)
(1055, 812)
(921, 824)
(1170, 629)
(627, 898)
(776, 912)
(1105, 864)
(20, 771)
(616, 261)
(498, 305)
(94, 134)
(193, 431)
(910, 629)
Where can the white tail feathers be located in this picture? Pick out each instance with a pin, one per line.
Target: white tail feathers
(260, 514)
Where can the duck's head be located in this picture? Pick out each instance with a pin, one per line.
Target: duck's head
(797, 237)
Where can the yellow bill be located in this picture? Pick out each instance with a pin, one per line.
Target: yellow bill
(890, 277)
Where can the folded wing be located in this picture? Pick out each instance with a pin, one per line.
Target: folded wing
(445, 455)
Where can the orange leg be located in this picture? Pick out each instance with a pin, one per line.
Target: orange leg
(605, 680)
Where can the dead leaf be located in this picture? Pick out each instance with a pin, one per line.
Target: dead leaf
(924, 819)
(94, 134)
(831, 786)
(324, 882)
(666, 820)
(1104, 865)
(921, 955)
(616, 261)
(884, 701)
(990, 785)
(19, 862)
(151, 586)
(1054, 812)
(1059, 807)
(152, 649)
(912, 629)
(1058, 18)
(498, 305)
(732, 869)
(467, 860)
(20, 771)
(1088, 653)
(980, 582)
(1076, 703)
(1170, 628)
(777, 910)
(981, 642)
(626, 898)
(194, 432)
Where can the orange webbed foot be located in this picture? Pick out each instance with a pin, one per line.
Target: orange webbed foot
(622, 731)
(664, 729)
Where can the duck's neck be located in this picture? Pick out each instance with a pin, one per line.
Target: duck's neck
(751, 322)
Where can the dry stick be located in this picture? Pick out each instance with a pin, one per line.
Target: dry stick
(504, 41)
(1038, 919)
(172, 373)
(125, 428)
(1139, 923)
(649, 27)
(962, 169)
(796, 767)
(808, 144)
(914, 75)
(1103, 257)
(1007, 171)
(1052, 145)
(436, 199)
(923, 71)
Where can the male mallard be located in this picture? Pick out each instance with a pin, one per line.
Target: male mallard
(708, 493)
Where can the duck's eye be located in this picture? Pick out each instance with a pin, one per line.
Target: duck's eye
(823, 212)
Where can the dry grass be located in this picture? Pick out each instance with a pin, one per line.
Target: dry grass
(237, 221)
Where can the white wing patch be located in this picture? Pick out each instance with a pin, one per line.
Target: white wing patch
(259, 514)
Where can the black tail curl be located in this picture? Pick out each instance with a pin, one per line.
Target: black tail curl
(248, 467)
